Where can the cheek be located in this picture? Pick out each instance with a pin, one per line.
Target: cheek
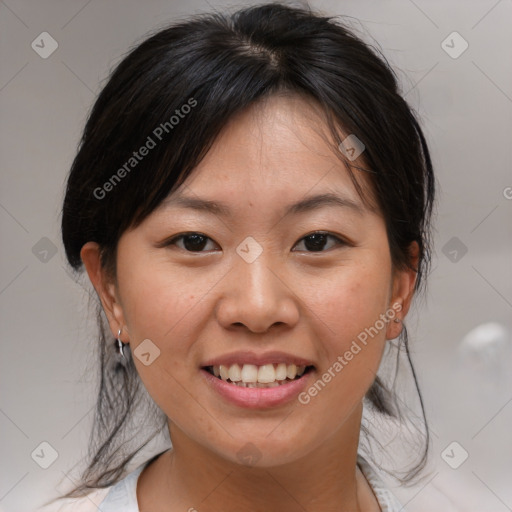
(164, 311)
(167, 306)
(351, 301)
(159, 301)
(351, 334)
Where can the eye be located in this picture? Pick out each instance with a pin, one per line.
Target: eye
(316, 242)
(191, 242)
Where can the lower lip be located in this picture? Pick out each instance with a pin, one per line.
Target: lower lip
(257, 398)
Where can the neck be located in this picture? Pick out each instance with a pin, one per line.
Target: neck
(327, 479)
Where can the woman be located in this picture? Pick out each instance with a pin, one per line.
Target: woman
(251, 201)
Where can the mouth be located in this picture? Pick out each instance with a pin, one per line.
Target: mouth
(254, 376)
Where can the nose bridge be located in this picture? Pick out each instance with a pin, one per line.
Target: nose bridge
(256, 295)
(259, 282)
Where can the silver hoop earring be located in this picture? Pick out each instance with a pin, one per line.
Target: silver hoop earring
(120, 344)
(396, 320)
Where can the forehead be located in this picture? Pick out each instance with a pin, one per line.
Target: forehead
(278, 150)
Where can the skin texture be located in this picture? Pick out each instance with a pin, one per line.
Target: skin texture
(311, 303)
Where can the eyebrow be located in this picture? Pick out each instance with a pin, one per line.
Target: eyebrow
(305, 205)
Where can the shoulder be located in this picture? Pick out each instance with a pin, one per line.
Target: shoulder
(431, 494)
(89, 503)
(448, 491)
(121, 496)
(388, 502)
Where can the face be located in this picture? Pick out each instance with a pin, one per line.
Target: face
(259, 283)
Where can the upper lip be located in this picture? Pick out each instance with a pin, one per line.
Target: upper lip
(248, 357)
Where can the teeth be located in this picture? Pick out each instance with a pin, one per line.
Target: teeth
(266, 374)
(224, 372)
(291, 371)
(235, 373)
(281, 371)
(251, 375)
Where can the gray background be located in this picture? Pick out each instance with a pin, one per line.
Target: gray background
(466, 105)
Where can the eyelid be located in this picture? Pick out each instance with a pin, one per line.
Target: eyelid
(174, 238)
(340, 240)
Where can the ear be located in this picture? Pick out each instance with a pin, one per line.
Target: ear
(106, 289)
(404, 281)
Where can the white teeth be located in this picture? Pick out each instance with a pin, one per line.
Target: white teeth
(266, 374)
(251, 375)
(224, 372)
(291, 371)
(235, 373)
(281, 371)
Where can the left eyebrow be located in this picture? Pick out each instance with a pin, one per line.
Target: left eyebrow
(307, 204)
(322, 200)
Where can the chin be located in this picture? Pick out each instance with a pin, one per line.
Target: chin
(262, 451)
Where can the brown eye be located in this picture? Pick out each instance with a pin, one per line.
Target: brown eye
(191, 242)
(316, 242)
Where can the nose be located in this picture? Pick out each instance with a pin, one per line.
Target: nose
(258, 297)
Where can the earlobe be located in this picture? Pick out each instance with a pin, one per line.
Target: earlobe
(404, 282)
(395, 318)
(104, 285)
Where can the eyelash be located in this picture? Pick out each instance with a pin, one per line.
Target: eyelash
(339, 241)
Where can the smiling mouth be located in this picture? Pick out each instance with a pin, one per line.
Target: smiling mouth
(253, 376)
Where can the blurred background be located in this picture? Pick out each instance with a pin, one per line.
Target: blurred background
(454, 62)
